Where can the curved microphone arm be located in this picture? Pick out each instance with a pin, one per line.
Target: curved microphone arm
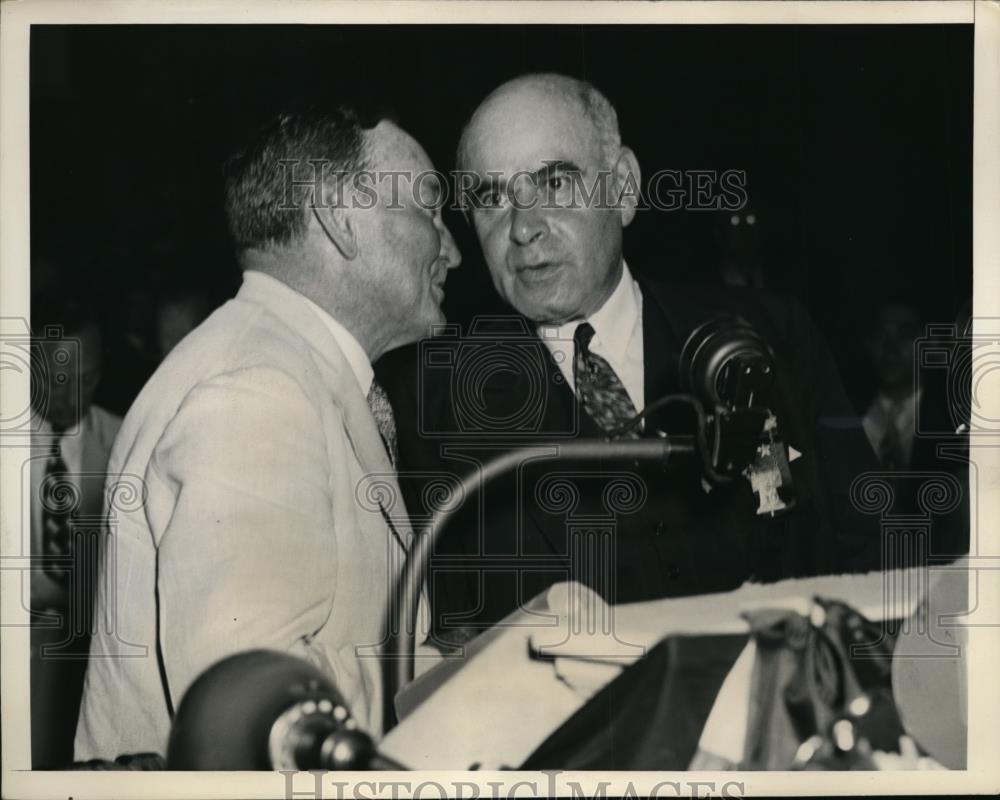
(725, 366)
(401, 643)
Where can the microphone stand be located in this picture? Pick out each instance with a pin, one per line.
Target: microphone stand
(401, 642)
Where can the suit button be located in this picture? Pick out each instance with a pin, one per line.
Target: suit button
(673, 572)
(659, 528)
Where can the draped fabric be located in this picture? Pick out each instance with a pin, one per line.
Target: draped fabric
(812, 672)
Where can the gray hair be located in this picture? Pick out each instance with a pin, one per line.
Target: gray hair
(596, 106)
(266, 203)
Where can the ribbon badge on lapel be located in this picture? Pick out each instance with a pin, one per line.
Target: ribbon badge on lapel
(769, 473)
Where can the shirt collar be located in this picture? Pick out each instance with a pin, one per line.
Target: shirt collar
(354, 353)
(613, 322)
(69, 440)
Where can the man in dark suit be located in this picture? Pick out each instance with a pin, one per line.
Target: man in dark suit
(70, 446)
(590, 345)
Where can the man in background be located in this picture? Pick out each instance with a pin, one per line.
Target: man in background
(179, 311)
(255, 438)
(70, 448)
(890, 422)
(596, 342)
(913, 421)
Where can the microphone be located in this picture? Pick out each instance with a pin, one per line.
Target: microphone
(265, 710)
(726, 363)
(730, 368)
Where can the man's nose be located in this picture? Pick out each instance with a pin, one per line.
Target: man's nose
(527, 224)
(449, 250)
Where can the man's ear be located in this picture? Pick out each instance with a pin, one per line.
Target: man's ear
(627, 183)
(339, 228)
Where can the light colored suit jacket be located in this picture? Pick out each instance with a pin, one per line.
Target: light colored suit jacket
(258, 524)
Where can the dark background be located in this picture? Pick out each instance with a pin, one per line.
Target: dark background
(856, 141)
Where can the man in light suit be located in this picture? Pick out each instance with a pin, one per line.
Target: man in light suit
(596, 343)
(256, 440)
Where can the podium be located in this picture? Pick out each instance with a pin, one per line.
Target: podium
(720, 681)
(505, 701)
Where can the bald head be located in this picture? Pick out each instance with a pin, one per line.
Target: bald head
(519, 102)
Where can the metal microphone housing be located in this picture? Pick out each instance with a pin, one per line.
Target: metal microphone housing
(725, 363)
(264, 710)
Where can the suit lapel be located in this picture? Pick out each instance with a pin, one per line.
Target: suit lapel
(561, 417)
(561, 413)
(94, 468)
(661, 337)
(661, 330)
(661, 350)
(359, 425)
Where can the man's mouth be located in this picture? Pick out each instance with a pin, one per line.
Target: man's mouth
(537, 271)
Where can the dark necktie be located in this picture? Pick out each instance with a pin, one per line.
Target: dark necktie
(600, 390)
(58, 498)
(378, 402)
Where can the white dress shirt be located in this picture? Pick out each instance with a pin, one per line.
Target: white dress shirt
(95, 435)
(617, 338)
(885, 413)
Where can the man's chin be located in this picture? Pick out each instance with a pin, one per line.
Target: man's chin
(543, 310)
(430, 320)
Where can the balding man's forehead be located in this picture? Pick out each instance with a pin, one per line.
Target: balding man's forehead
(546, 85)
(523, 128)
(519, 97)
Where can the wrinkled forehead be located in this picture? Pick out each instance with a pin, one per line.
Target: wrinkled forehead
(525, 128)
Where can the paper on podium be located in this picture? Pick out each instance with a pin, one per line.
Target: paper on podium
(876, 595)
(517, 682)
(495, 706)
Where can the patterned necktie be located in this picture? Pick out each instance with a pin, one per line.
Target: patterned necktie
(378, 402)
(58, 500)
(600, 390)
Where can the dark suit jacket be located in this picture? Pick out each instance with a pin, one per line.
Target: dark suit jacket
(631, 531)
